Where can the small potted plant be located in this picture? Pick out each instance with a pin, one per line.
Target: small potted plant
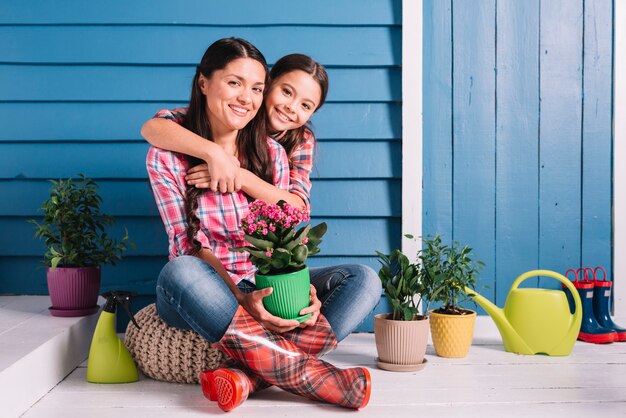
(450, 270)
(279, 252)
(73, 229)
(401, 336)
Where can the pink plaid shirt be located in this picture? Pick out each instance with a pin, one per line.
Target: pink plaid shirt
(301, 158)
(220, 214)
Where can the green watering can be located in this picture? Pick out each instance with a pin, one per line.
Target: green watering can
(536, 321)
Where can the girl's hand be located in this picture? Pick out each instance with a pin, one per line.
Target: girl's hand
(220, 173)
(253, 303)
(199, 176)
(314, 308)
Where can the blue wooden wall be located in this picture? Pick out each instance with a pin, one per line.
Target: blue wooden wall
(517, 133)
(78, 79)
(517, 122)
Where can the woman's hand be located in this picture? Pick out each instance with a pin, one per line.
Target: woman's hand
(313, 308)
(253, 303)
(221, 173)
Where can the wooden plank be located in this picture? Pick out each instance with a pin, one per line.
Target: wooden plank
(517, 190)
(337, 198)
(199, 12)
(345, 236)
(166, 83)
(597, 141)
(474, 133)
(261, 407)
(560, 136)
(437, 147)
(26, 275)
(147, 44)
(78, 121)
(372, 159)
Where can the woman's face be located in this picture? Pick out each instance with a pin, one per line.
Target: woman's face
(233, 94)
(292, 99)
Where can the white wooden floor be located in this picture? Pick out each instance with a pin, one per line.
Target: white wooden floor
(487, 383)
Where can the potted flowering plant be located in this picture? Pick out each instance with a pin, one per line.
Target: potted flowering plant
(279, 252)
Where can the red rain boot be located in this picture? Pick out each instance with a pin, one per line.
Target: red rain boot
(280, 362)
(315, 340)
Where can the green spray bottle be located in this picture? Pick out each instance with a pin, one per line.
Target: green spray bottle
(109, 359)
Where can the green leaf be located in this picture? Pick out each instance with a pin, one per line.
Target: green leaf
(259, 243)
(54, 262)
(300, 253)
(280, 258)
(318, 231)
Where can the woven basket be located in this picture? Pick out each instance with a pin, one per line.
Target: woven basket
(166, 353)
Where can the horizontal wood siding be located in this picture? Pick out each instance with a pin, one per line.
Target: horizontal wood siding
(517, 134)
(77, 80)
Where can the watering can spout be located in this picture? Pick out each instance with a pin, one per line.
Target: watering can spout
(511, 339)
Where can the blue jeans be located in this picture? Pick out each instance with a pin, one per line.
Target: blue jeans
(348, 293)
(191, 295)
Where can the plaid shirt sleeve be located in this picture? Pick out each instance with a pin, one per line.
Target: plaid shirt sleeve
(281, 164)
(166, 171)
(300, 173)
(176, 115)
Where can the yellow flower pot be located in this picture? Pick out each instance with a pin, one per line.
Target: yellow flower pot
(452, 334)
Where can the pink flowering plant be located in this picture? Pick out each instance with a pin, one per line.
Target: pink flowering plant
(276, 247)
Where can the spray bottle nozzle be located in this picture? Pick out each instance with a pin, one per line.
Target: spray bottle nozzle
(122, 298)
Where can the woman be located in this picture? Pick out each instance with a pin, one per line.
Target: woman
(209, 291)
(299, 86)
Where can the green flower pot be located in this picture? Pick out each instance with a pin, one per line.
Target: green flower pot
(290, 295)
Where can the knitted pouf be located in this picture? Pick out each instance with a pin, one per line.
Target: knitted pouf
(169, 354)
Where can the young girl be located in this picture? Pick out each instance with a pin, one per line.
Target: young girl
(210, 290)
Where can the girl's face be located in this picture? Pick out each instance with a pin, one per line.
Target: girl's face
(292, 99)
(233, 94)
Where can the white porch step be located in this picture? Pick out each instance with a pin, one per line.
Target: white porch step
(37, 350)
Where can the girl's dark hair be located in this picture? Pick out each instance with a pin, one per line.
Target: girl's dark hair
(252, 148)
(292, 62)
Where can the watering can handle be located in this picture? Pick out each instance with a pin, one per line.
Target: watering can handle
(562, 279)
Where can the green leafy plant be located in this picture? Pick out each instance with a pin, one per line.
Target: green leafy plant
(448, 269)
(403, 284)
(276, 247)
(73, 228)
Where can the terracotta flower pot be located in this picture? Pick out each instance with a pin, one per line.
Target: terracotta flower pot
(73, 290)
(452, 334)
(401, 345)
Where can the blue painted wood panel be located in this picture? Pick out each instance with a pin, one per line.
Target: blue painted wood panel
(561, 52)
(518, 165)
(596, 136)
(77, 81)
(374, 159)
(141, 82)
(473, 159)
(517, 142)
(105, 121)
(345, 237)
(201, 12)
(184, 45)
(359, 198)
(437, 120)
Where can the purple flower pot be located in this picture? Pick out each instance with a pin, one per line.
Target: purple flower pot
(73, 290)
